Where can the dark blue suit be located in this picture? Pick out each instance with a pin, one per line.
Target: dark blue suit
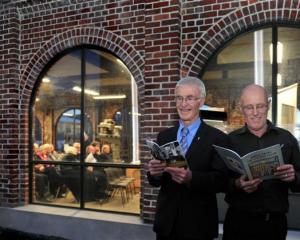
(189, 211)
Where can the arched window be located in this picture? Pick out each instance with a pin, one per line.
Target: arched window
(269, 57)
(87, 102)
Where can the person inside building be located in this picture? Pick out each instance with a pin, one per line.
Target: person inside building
(97, 151)
(90, 151)
(186, 205)
(97, 173)
(106, 155)
(71, 173)
(78, 148)
(52, 154)
(48, 169)
(41, 179)
(257, 208)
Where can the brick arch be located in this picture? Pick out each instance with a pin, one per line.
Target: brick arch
(248, 17)
(76, 37)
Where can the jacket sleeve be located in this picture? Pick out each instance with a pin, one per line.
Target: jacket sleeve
(154, 181)
(295, 161)
(214, 177)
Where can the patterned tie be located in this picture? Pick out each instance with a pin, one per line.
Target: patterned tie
(184, 142)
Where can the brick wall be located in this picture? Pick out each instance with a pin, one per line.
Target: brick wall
(158, 41)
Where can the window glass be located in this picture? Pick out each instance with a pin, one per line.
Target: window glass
(288, 78)
(85, 155)
(243, 61)
(54, 98)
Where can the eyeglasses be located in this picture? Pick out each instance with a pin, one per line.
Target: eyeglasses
(260, 108)
(188, 99)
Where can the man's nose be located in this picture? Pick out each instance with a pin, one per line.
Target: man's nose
(255, 112)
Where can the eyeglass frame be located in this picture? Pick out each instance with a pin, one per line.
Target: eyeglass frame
(190, 99)
(259, 107)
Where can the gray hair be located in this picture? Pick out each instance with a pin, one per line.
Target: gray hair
(193, 81)
(71, 150)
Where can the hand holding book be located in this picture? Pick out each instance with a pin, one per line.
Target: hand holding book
(156, 167)
(171, 153)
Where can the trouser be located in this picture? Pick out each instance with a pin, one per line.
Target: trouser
(176, 235)
(241, 225)
(173, 237)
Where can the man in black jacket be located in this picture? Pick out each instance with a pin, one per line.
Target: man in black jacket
(186, 206)
(257, 209)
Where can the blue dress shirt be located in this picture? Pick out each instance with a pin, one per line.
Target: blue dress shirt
(192, 131)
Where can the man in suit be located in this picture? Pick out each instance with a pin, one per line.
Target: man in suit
(186, 206)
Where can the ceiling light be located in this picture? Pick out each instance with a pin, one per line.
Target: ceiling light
(105, 97)
(87, 91)
(46, 80)
(68, 114)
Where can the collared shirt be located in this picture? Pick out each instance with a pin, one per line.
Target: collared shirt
(192, 131)
(271, 195)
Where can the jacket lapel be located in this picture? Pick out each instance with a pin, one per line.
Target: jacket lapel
(195, 143)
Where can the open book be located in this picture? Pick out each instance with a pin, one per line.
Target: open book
(256, 164)
(171, 153)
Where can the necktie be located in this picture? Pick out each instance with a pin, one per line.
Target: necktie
(184, 142)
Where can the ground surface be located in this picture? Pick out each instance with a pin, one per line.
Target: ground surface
(11, 234)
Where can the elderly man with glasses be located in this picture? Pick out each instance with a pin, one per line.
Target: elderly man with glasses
(186, 206)
(257, 209)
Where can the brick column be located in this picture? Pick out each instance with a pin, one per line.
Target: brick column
(162, 71)
(10, 182)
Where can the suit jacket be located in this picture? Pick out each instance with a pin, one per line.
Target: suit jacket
(191, 209)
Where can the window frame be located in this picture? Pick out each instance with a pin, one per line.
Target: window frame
(82, 164)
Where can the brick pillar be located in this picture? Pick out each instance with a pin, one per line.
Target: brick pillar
(162, 71)
(10, 182)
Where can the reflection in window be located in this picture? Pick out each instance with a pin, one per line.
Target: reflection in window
(88, 112)
(248, 59)
(68, 129)
(288, 78)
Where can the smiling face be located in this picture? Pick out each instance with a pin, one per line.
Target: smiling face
(254, 107)
(188, 102)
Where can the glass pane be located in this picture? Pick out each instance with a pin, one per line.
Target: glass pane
(288, 77)
(108, 124)
(68, 129)
(108, 104)
(57, 121)
(244, 61)
(113, 189)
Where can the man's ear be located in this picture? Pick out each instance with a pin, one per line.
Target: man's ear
(202, 101)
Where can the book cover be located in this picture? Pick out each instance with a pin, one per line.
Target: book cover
(256, 164)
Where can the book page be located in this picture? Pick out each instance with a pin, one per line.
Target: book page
(156, 152)
(231, 158)
(174, 153)
(263, 162)
(171, 153)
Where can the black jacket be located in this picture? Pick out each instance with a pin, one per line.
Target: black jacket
(192, 208)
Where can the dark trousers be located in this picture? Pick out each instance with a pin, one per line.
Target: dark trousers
(173, 237)
(176, 235)
(254, 226)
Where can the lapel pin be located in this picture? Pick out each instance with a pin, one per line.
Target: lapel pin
(198, 138)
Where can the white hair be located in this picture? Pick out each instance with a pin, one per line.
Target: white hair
(193, 81)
